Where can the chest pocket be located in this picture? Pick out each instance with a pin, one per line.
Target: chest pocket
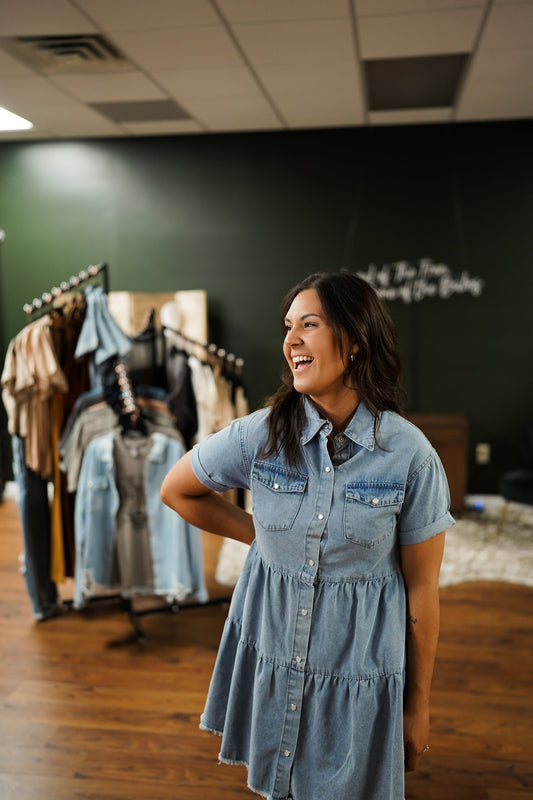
(97, 488)
(277, 495)
(371, 510)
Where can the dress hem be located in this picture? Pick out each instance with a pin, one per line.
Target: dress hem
(235, 763)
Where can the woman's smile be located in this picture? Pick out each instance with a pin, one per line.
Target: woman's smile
(312, 352)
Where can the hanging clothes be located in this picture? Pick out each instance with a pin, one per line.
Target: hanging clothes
(106, 518)
(105, 524)
(94, 416)
(101, 338)
(31, 378)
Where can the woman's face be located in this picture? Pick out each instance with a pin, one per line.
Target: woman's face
(312, 352)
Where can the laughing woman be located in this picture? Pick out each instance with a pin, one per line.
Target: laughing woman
(321, 685)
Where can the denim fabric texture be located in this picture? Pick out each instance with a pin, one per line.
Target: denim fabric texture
(100, 337)
(307, 690)
(34, 509)
(176, 546)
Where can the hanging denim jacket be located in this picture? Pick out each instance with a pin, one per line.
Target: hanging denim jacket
(176, 546)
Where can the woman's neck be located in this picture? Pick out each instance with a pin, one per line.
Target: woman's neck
(339, 414)
(340, 427)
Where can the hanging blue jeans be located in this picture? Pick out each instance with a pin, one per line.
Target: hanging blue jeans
(35, 518)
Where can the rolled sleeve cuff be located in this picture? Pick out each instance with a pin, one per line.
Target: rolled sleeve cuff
(428, 531)
(202, 474)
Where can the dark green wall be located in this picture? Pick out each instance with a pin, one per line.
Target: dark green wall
(245, 216)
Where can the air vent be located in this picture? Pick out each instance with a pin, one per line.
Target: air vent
(87, 53)
(417, 82)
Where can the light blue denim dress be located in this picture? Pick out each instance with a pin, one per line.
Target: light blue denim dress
(307, 689)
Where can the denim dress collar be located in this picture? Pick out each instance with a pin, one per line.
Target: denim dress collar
(360, 428)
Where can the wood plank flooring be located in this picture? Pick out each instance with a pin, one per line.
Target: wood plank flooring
(89, 712)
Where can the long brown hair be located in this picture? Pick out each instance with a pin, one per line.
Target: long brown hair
(355, 313)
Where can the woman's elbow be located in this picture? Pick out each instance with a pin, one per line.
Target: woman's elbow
(165, 492)
(180, 484)
(170, 489)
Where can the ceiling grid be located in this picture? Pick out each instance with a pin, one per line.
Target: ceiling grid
(196, 66)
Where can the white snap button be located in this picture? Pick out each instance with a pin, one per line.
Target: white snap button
(276, 486)
(293, 706)
(298, 660)
(375, 501)
(321, 516)
(328, 469)
(304, 612)
(311, 562)
(287, 753)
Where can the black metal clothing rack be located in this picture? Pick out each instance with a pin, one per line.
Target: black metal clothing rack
(40, 306)
(229, 360)
(128, 410)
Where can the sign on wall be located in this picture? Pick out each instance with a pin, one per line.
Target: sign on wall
(414, 282)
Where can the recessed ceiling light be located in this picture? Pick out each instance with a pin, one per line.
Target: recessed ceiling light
(12, 122)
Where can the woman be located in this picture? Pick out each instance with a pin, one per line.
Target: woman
(322, 680)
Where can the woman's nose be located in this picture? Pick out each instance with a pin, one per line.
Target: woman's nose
(292, 337)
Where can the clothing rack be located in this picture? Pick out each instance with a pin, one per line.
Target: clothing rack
(131, 410)
(229, 359)
(128, 406)
(40, 306)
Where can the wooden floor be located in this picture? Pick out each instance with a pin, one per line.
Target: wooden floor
(89, 712)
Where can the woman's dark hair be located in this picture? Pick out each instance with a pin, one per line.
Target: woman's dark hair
(354, 311)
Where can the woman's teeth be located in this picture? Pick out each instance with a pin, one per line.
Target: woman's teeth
(300, 361)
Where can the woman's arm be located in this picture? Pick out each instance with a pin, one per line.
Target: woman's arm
(203, 508)
(420, 566)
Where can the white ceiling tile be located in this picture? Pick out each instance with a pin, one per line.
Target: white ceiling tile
(411, 116)
(509, 26)
(240, 113)
(141, 15)
(277, 10)
(295, 42)
(99, 88)
(430, 33)
(179, 48)
(377, 7)
(42, 18)
(327, 109)
(72, 119)
(27, 94)
(34, 133)
(323, 76)
(11, 68)
(209, 82)
(162, 128)
(495, 87)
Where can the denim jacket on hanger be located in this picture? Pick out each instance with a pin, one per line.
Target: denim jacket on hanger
(176, 546)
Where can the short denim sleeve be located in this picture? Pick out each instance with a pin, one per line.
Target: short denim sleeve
(425, 511)
(220, 462)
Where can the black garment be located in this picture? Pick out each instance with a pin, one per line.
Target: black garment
(181, 398)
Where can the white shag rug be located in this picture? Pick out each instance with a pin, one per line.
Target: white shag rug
(488, 546)
(481, 546)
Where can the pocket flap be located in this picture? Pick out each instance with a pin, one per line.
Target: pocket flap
(278, 478)
(376, 494)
